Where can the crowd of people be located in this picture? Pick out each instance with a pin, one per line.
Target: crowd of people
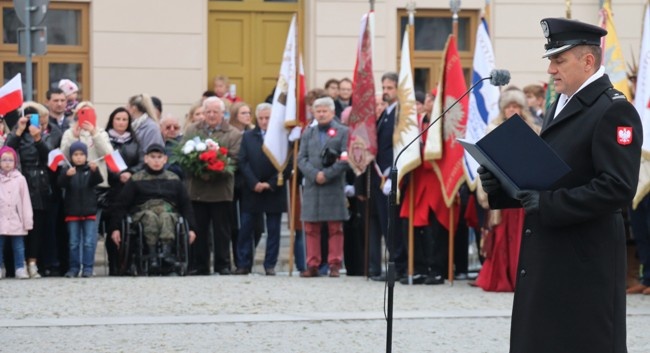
(59, 212)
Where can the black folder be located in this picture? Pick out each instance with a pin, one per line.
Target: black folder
(518, 157)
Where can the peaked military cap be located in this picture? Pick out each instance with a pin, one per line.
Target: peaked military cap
(563, 34)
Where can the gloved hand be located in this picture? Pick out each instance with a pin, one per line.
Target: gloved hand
(386, 188)
(529, 200)
(349, 190)
(489, 182)
(295, 133)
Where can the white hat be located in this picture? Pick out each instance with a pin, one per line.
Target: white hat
(68, 87)
(512, 96)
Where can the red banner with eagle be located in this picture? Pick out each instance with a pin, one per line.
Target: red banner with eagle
(449, 168)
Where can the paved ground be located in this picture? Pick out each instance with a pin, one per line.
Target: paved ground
(259, 314)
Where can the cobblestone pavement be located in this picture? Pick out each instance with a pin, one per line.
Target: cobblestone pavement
(257, 313)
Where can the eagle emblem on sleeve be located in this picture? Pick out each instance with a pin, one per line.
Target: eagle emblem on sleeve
(624, 135)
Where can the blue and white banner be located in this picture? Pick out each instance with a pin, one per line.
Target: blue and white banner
(484, 99)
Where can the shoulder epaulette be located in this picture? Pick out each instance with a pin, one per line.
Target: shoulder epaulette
(615, 94)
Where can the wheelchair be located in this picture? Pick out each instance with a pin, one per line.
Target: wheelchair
(135, 257)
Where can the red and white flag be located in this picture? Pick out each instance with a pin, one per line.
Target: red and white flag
(11, 95)
(362, 141)
(283, 113)
(54, 158)
(450, 167)
(115, 162)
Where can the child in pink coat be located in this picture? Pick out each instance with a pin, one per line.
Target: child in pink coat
(16, 217)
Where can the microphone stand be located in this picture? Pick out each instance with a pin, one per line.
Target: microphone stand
(392, 220)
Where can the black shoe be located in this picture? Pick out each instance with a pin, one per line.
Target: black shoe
(437, 279)
(51, 272)
(224, 272)
(241, 271)
(379, 278)
(417, 279)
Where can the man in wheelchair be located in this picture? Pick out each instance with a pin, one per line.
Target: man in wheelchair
(155, 197)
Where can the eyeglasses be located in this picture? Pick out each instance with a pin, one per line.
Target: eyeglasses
(172, 127)
(6, 160)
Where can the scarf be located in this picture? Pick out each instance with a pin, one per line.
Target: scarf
(119, 138)
(139, 121)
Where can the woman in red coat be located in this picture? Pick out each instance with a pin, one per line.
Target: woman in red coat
(499, 271)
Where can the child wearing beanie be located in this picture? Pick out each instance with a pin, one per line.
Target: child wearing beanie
(80, 207)
(16, 210)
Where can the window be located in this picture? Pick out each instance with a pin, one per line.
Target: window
(67, 48)
(432, 27)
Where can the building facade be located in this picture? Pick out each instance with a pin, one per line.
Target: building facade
(173, 48)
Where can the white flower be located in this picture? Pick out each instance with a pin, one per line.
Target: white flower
(201, 146)
(187, 149)
(212, 144)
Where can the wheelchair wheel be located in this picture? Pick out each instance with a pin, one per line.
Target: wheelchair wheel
(141, 261)
(182, 245)
(124, 250)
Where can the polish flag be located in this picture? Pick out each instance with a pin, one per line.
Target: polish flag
(54, 158)
(115, 162)
(11, 95)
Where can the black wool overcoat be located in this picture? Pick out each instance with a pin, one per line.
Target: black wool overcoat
(570, 292)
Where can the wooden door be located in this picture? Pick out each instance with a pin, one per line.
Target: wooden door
(247, 47)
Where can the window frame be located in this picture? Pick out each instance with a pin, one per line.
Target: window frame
(432, 59)
(56, 54)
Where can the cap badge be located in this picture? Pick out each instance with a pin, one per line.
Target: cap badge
(545, 29)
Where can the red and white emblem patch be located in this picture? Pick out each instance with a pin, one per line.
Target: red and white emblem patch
(624, 135)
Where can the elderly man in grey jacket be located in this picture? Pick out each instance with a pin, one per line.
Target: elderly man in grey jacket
(323, 161)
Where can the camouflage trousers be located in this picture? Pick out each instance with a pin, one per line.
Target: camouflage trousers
(158, 221)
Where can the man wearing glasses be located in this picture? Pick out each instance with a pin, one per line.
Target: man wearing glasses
(170, 128)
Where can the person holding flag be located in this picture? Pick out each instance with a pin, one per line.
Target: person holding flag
(80, 206)
(379, 183)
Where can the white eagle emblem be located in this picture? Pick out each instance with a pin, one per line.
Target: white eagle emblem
(624, 135)
(453, 126)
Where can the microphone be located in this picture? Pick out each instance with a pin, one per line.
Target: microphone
(499, 77)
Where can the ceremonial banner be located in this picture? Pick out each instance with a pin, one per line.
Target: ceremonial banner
(642, 104)
(406, 124)
(612, 55)
(484, 99)
(362, 140)
(283, 112)
(450, 167)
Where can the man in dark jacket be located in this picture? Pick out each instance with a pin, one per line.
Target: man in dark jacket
(570, 293)
(260, 194)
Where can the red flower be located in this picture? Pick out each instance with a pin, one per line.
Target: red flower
(217, 165)
(223, 151)
(331, 132)
(207, 155)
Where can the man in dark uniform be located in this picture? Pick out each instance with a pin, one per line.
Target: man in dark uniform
(570, 294)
